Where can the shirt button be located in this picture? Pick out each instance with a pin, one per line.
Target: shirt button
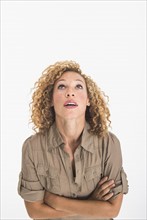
(74, 195)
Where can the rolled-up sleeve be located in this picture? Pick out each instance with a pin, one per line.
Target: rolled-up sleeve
(113, 165)
(29, 186)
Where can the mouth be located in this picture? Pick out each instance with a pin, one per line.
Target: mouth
(70, 104)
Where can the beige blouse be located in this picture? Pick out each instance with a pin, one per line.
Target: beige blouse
(46, 166)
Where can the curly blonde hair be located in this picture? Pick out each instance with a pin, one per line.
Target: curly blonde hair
(43, 115)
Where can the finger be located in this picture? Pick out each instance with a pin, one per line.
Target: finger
(106, 185)
(101, 193)
(107, 197)
(103, 180)
(104, 192)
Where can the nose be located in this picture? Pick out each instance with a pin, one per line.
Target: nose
(69, 94)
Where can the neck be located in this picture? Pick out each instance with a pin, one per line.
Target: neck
(70, 130)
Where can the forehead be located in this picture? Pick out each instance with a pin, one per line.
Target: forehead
(70, 75)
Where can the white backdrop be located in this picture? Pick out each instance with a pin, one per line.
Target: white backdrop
(107, 38)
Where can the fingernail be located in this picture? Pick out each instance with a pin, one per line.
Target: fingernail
(112, 181)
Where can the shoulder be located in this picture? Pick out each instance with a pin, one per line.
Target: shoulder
(34, 142)
(112, 147)
(113, 138)
(109, 143)
(110, 139)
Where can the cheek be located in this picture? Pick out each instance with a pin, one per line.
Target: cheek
(57, 98)
(83, 97)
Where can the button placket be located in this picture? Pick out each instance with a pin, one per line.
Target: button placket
(78, 168)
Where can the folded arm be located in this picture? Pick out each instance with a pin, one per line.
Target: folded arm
(39, 210)
(87, 208)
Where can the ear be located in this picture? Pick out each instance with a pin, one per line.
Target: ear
(88, 102)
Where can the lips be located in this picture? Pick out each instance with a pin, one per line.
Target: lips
(70, 104)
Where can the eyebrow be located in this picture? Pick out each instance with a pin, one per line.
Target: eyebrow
(74, 80)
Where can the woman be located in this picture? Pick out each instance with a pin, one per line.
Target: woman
(72, 166)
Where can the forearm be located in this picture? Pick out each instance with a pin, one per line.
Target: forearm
(87, 208)
(43, 211)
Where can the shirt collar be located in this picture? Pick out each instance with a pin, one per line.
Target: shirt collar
(87, 141)
(55, 139)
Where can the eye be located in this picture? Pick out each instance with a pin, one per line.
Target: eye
(61, 86)
(79, 86)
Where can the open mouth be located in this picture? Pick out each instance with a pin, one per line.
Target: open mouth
(70, 104)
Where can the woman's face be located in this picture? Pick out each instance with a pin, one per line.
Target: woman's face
(70, 96)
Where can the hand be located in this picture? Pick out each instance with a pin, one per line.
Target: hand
(103, 190)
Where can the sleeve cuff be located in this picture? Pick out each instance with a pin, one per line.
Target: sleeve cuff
(121, 187)
(30, 191)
